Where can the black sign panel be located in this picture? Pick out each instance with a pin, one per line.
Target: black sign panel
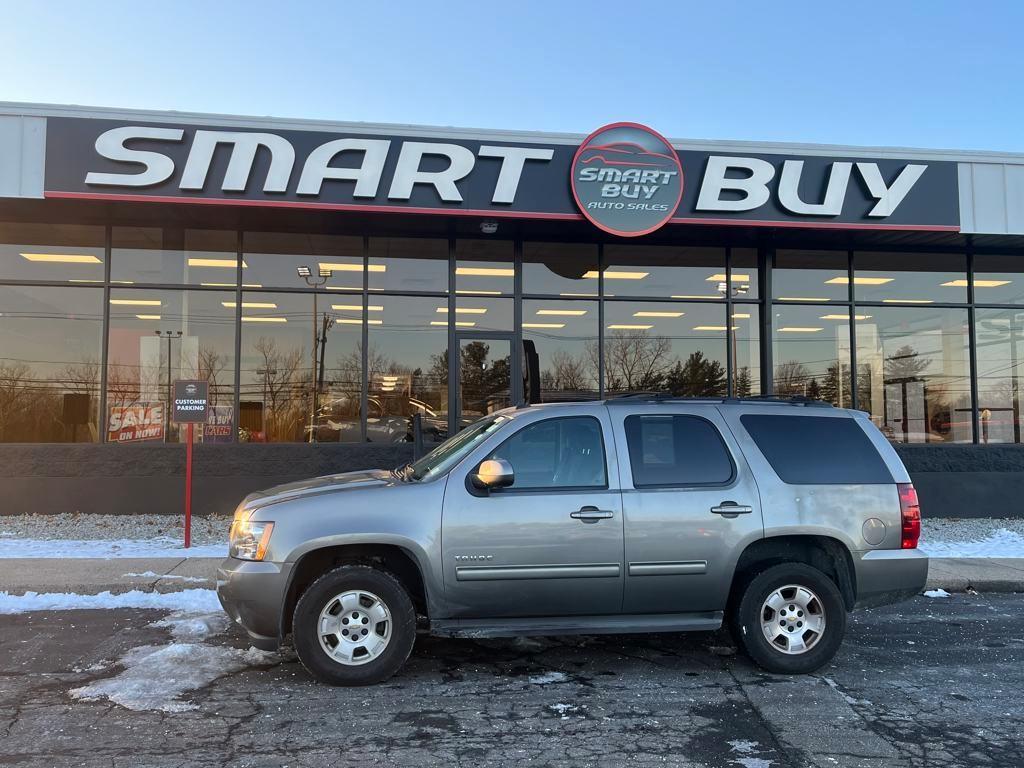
(245, 166)
(191, 400)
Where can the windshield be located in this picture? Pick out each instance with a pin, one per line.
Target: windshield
(451, 451)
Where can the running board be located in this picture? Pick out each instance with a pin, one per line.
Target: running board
(578, 625)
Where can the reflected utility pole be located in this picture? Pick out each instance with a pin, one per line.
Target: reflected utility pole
(314, 282)
(167, 406)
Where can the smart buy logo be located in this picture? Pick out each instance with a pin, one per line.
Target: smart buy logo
(627, 179)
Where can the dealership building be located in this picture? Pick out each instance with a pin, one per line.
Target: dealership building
(331, 281)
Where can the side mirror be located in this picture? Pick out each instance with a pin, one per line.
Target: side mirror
(493, 473)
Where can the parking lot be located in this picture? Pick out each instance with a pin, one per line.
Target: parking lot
(932, 682)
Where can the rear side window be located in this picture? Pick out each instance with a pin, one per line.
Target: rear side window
(674, 450)
(809, 450)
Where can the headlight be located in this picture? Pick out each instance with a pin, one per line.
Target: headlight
(249, 539)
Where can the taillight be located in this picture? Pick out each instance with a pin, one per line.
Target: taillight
(910, 514)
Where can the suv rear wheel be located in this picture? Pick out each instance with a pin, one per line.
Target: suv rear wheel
(791, 619)
(355, 625)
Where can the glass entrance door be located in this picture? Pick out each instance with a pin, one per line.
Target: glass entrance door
(487, 376)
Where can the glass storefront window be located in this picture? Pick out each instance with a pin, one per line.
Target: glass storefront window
(1000, 338)
(910, 278)
(566, 337)
(811, 353)
(665, 347)
(485, 267)
(155, 337)
(561, 269)
(746, 351)
(744, 273)
(50, 364)
(408, 264)
(408, 369)
(664, 272)
(914, 373)
(278, 375)
(998, 279)
(810, 276)
(271, 260)
(62, 253)
(191, 256)
(479, 313)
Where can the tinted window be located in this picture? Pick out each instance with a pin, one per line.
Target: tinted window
(813, 450)
(676, 450)
(557, 453)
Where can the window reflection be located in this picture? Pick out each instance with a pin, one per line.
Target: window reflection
(665, 272)
(408, 369)
(58, 252)
(196, 341)
(50, 364)
(811, 276)
(914, 373)
(192, 256)
(271, 259)
(910, 278)
(408, 264)
(1000, 338)
(566, 337)
(998, 279)
(565, 269)
(811, 353)
(665, 347)
(746, 351)
(485, 267)
(744, 263)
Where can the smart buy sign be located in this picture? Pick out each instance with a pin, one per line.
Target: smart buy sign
(625, 178)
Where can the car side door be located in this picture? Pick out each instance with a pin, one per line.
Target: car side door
(690, 507)
(550, 544)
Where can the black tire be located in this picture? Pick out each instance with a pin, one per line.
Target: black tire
(305, 632)
(747, 619)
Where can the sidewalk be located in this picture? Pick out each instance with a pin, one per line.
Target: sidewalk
(94, 575)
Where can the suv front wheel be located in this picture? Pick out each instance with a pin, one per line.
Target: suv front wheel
(791, 619)
(355, 625)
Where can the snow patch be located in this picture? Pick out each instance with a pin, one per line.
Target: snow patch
(153, 575)
(747, 751)
(188, 626)
(549, 677)
(107, 549)
(936, 593)
(1001, 542)
(188, 600)
(155, 677)
(564, 710)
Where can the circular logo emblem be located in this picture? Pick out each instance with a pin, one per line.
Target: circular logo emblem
(191, 389)
(627, 179)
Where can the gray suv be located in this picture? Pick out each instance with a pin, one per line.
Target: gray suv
(635, 514)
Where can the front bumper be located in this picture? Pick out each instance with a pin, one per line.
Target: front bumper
(252, 594)
(887, 576)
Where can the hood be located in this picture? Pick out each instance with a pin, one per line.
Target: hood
(318, 485)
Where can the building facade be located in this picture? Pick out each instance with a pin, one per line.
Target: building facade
(331, 281)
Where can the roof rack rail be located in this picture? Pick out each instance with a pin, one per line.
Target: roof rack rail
(627, 398)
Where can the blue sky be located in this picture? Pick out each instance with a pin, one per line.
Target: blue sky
(927, 74)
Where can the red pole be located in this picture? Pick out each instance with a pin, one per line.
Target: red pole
(188, 488)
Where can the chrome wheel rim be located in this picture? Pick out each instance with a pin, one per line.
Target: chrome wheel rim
(793, 619)
(354, 627)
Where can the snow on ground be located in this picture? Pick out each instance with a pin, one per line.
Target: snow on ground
(982, 537)
(107, 548)
(198, 601)
(155, 677)
(154, 575)
(549, 677)
(936, 593)
(747, 751)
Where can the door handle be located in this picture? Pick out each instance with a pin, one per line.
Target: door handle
(591, 514)
(732, 509)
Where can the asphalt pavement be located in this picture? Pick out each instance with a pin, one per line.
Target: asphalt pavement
(932, 682)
